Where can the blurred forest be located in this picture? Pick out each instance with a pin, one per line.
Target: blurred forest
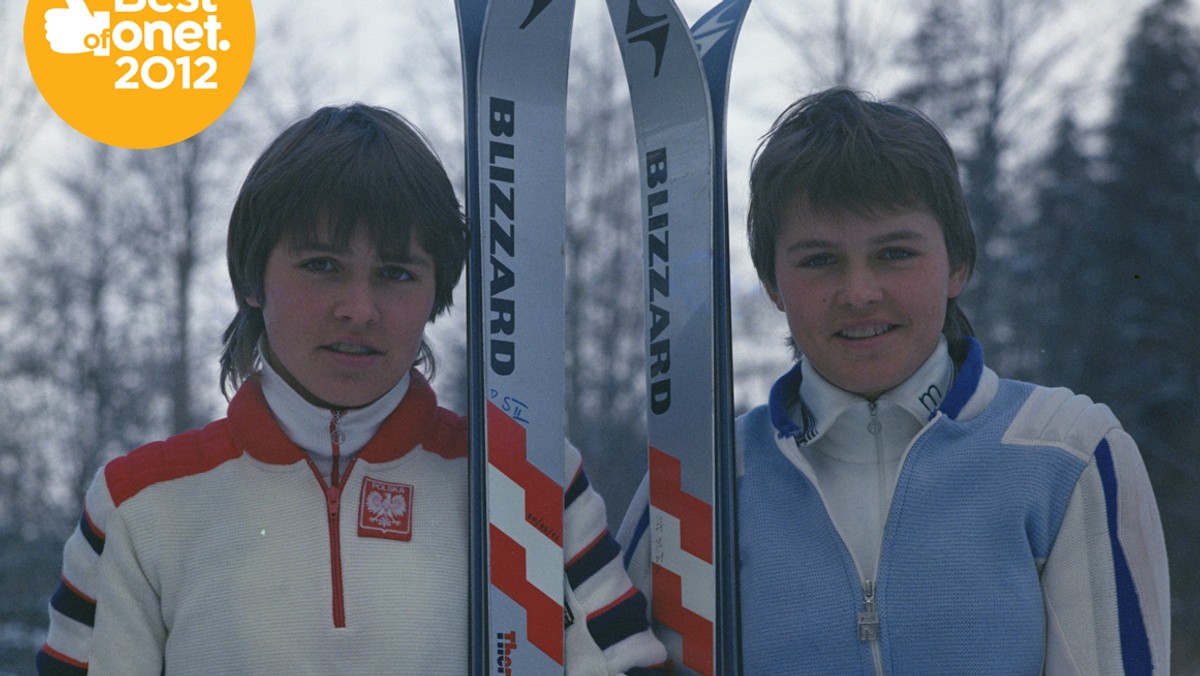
(1077, 126)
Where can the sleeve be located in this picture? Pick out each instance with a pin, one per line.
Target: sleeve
(1105, 581)
(73, 604)
(607, 631)
(104, 616)
(130, 635)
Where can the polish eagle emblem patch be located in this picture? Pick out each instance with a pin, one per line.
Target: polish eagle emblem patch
(385, 510)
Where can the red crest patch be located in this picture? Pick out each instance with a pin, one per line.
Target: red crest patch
(385, 510)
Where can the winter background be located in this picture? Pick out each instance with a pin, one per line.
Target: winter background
(1077, 125)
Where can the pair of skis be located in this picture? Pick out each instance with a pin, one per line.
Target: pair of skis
(515, 62)
(678, 83)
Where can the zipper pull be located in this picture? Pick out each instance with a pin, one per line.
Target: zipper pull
(868, 619)
(333, 501)
(336, 435)
(874, 426)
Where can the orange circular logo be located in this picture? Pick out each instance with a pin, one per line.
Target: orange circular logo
(139, 73)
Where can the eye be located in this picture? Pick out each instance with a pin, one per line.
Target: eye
(896, 253)
(817, 261)
(319, 265)
(396, 273)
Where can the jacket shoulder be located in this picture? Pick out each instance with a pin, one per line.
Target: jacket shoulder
(1060, 418)
(447, 434)
(183, 455)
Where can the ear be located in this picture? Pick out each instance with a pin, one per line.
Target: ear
(252, 301)
(958, 280)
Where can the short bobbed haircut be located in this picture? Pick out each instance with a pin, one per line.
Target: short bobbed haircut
(325, 178)
(836, 152)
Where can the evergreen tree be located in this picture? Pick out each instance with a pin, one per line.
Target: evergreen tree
(1065, 286)
(973, 66)
(1149, 357)
(1153, 215)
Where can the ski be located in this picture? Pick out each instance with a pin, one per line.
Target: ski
(678, 82)
(715, 36)
(515, 57)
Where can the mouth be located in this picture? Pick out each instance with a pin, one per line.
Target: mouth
(352, 349)
(865, 332)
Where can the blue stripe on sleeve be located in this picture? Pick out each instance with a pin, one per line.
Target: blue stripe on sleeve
(618, 622)
(642, 524)
(604, 550)
(48, 665)
(70, 603)
(1135, 643)
(576, 489)
(94, 538)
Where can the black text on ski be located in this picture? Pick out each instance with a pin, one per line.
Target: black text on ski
(501, 229)
(658, 261)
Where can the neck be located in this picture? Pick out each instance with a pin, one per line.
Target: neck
(307, 424)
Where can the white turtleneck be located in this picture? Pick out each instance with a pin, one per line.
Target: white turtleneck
(856, 454)
(312, 427)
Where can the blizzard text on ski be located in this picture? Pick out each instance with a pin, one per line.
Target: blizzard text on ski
(501, 197)
(658, 260)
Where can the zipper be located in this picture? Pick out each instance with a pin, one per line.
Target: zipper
(875, 428)
(333, 498)
(868, 625)
(335, 442)
(333, 501)
(868, 619)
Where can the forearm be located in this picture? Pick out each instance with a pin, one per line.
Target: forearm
(609, 614)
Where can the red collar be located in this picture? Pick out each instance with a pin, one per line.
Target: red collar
(416, 420)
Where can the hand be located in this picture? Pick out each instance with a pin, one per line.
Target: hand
(67, 29)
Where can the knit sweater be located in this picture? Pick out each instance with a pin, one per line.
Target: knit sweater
(226, 550)
(854, 454)
(1022, 538)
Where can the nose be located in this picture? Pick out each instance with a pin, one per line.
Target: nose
(860, 286)
(357, 302)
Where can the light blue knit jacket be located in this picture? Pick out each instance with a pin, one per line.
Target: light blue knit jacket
(1022, 538)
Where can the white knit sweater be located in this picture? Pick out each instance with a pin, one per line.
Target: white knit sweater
(227, 551)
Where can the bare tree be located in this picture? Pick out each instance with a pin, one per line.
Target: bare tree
(102, 301)
(604, 297)
(78, 354)
(980, 70)
(844, 42)
(178, 236)
(20, 103)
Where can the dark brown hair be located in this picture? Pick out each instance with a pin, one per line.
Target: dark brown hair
(337, 171)
(836, 152)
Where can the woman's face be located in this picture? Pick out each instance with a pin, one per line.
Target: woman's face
(865, 298)
(343, 325)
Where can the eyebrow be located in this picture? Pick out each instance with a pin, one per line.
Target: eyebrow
(315, 246)
(409, 258)
(902, 235)
(389, 258)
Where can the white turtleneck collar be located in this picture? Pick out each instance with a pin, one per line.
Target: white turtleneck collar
(919, 395)
(308, 426)
(856, 448)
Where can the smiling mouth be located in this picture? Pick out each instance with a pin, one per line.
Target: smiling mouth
(863, 332)
(352, 349)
